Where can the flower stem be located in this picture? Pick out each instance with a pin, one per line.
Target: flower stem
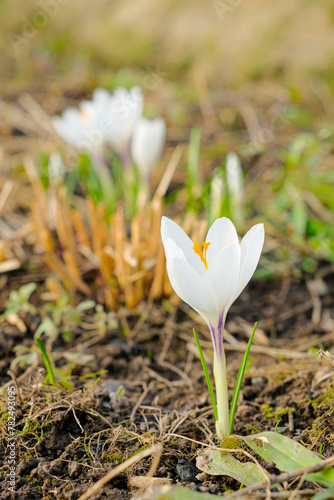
(219, 373)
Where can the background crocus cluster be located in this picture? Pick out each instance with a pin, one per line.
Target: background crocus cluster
(114, 120)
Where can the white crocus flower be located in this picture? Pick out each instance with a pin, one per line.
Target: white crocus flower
(106, 119)
(147, 144)
(124, 110)
(80, 127)
(210, 280)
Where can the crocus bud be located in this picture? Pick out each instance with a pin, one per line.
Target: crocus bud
(148, 141)
(217, 194)
(235, 187)
(56, 169)
(124, 111)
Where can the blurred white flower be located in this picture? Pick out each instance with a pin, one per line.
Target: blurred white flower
(124, 110)
(147, 144)
(217, 190)
(79, 127)
(106, 119)
(56, 169)
(235, 187)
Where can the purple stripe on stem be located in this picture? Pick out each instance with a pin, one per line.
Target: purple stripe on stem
(221, 322)
(218, 339)
(213, 336)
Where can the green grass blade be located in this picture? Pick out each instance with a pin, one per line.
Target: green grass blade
(47, 361)
(86, 448)
(238, 383)
(207, 376)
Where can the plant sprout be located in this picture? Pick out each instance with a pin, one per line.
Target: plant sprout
(146, 149)
(209, 278)
(235, 188)
(147, 144)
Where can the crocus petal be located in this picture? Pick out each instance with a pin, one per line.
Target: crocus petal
(86, 110)
(234, 178)
(172, 250)
(169, 229)
(71, 114)
(222, 233)
(148, 141)
(69, 127)
(251, 248)
(137, 97)
(124, 110)
(101, 96)
(191, 288)
(77, 127)
(222, 276)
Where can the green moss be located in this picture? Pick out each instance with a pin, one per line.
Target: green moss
(144, 447)
(35, 483)
(277, 413)
(326, 399)
(114, 457)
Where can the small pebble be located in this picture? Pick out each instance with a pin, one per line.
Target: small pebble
(258, 381)
(187, 471)
(24, 467)
(250, 391)
(200, 487)
(74, 469)
(279, 430)
(245, 411)
(203, 401)
(56, 468)
(42, 471)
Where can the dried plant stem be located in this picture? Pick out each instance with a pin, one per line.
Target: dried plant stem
(286, 476)
(155, 449)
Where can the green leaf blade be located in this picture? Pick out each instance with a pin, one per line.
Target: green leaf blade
(207, 376)
(46, 360)
(218, 463)
(288, 455)
(239, 380)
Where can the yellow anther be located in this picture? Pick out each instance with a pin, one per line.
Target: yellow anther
(84, 115)
(197, 249)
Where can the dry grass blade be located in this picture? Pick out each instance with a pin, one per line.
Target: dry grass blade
(127, 265)
(5, 193)
(157, 448)
(169, 172)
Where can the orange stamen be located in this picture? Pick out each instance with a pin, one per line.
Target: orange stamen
(84, 115)
(197, 249)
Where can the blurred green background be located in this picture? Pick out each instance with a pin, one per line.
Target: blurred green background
(256, 77)
(76, 44)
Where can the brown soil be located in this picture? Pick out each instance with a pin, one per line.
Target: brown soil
(154, 391)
